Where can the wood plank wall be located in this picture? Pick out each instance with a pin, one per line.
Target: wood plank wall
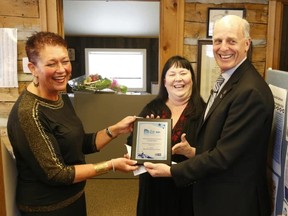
(23, 15)
(171, 30)
(195, 25)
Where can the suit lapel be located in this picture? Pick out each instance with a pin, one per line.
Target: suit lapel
(218, 99)
(240, 71)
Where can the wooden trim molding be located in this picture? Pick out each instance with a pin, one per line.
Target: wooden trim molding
(60, 15)
(43, 15)
(51, 16)
(171, 38)
(275, 15)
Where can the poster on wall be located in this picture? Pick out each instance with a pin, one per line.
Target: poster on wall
(280, 96)
(8, 58)
(274, 182)
(278, 154)
(287, 125)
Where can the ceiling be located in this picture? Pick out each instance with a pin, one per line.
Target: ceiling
(111, 18)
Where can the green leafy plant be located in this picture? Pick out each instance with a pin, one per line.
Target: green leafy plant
(95, 83)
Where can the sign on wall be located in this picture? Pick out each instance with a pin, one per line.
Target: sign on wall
(8, 58)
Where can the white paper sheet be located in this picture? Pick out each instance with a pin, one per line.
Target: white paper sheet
(280, 96)
(141, 168)
(8, 58)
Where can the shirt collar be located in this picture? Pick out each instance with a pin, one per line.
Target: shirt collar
(227, 74)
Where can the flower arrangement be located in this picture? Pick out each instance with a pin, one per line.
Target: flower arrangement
(95, 82)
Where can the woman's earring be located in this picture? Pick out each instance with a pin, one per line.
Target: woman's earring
(34, 83)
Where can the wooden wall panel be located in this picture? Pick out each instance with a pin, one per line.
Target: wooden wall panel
(26, 17)
(18, 8)
(261, 67)
(196, 12)
(21, 52)
(25, 26)
(257, 13)
(189, 52)
(274, 33)
(195, 28)
(259, 54)
(258, 31)
(171, 30)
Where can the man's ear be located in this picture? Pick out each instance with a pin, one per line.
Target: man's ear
(248, 44)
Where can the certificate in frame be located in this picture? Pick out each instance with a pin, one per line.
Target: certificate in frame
(152, 140)
(71, 54)
(217, 13)
(208, 70)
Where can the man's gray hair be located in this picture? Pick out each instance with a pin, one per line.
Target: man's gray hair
(243, 22)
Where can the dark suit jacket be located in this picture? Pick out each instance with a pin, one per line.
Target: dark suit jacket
(229, 170)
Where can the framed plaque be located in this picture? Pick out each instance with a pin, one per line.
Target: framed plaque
(152, 140)
(217, 13)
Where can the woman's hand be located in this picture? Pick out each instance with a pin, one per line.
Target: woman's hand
(152, 116)
(127, 156)
(157, 169)
(123, 127)
(124, 164)
(183, 148)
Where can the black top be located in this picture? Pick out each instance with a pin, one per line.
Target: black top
(160, 196)
(47, 139)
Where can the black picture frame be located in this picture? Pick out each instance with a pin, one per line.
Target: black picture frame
(71, 54)
(217, 13)
(155, 135)
(207, 69)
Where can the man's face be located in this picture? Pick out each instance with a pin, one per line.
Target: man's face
(230, 46)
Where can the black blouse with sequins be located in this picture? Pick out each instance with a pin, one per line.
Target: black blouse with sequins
(47, 139)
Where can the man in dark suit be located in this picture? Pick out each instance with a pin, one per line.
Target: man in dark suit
(228, 166)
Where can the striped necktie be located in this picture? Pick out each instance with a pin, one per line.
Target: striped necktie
(214, 93)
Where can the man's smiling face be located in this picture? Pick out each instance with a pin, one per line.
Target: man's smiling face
(230, 46)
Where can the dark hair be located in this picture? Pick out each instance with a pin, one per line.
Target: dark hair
(39, 40)
(176, 61)
(195, 100)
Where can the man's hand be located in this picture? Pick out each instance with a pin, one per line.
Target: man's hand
(157, 169)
